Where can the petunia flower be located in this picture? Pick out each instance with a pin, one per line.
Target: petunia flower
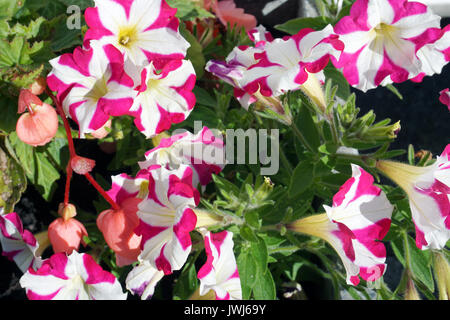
(428, 190)
(381, 39)
(354, 226)
(203, 152)
(143, 30)
(73, 277)
(444, 97)
(142, 280)
(18, 244)
(92, 85)
(285, 63)
(433, 56)
(164, 96)
(220, 273)
(166, 218)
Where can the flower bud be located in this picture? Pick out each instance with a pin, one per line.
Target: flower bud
(38, 126)
(65, 236)
(207, 219)
(117, 227)
(82, 165)
(103, 131)
(411, 291)
(26, 99)
(442, 272)
(67, 211)
(38, 86)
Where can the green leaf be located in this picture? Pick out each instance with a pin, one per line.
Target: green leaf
(8, 8)
(301, 179)
(83, 4)
(259, 252)
(247, 233)
(189, 10)
(186, 283)
(194, 52)
(295, 25)
(395, 91)
(29, 31)
(338, 79)
(247, 272)
(38, 164)
(64, 38)
(421, 264)
(264, 288)
(305, 124)
(13, 181)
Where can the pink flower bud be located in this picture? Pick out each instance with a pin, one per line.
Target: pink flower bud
(118, 227)
(65, 236)
(38, 126)
(82, 165)
(38, 86)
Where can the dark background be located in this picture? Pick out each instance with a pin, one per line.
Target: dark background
(424, 122)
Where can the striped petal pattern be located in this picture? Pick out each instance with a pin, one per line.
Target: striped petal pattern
(381, 39)
(166, 217)
(18, 244)
(143, 30)
(92, 85)
(203, 152)
(73, 277)
(220, 272)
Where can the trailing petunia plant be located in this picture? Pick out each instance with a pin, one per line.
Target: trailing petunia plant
(238, 165)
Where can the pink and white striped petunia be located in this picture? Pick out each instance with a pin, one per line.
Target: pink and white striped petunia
(203, 152)
(166, 218)
(285, 63)
(74, 277)
(164, 96)
(381, 39)
(143, 30)
(18, 244)
(220, 272)
(354, 226)
(434, 56)
(142, 280)
(444, 97)
(92, 85)
(428, 190)
(365, 211)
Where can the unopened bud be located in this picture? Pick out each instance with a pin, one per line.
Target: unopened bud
(38, 86)
(67, 211)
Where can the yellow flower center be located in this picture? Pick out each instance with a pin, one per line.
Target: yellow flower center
(127, 36)
(99, 89)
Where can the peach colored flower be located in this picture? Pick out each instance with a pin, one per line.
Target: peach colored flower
(227, 12)
(66, 235)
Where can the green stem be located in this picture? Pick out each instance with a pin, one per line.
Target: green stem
(301, 137)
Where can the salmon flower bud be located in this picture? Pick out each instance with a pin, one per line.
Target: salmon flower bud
(82, 165)
(38, 126)
(428, 190)
(67, 211)
(66, 235)
(38, 86)
(118, 227)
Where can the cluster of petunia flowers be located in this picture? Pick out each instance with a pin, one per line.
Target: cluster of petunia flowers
(381, 42)
(133, 66)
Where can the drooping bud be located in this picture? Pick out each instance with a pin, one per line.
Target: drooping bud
(66, 235)
(38, 126)
(411, 291)
(82, 165)
(117, 227)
